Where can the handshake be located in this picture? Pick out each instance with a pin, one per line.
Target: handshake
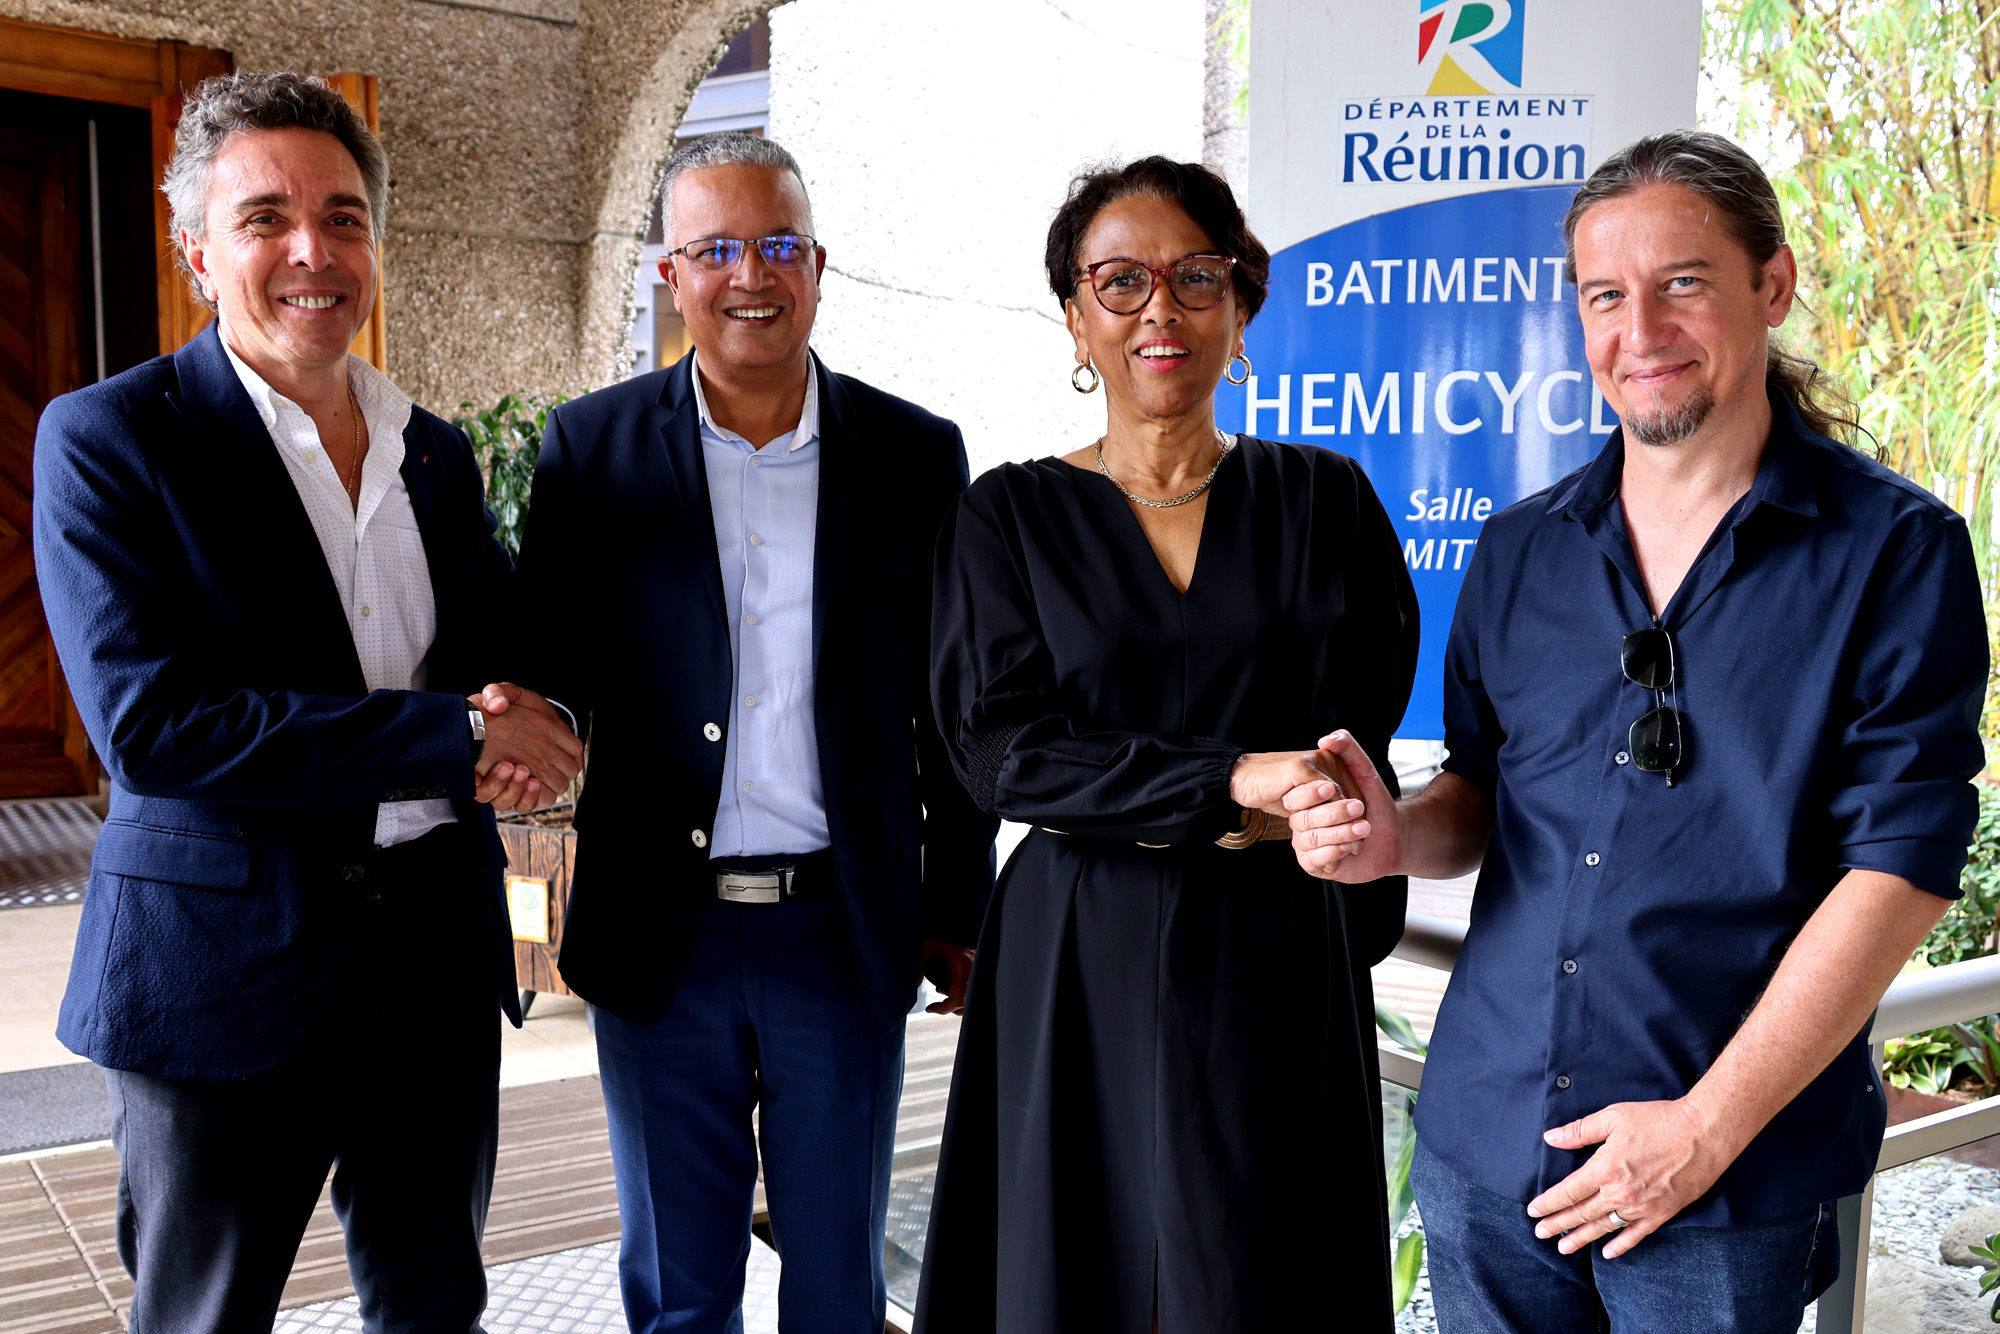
(1325, 795)
(532, 753)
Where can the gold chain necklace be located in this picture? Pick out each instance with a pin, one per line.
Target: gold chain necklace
(354, 464)
(1226, 441)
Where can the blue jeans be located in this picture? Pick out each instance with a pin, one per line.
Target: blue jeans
(1490, 1274)
(771, 1017)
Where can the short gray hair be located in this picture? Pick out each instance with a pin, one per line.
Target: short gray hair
(227, 105)
(728, 148)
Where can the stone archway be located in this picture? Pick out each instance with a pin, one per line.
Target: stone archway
(633, 104)
(640, 68)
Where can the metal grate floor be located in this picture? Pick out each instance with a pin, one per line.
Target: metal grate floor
(571, 1292)
(45, 852)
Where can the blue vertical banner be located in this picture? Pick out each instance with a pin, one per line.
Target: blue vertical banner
(1410, 166)
(1439, 346)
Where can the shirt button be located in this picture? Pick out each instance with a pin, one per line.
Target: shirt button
(711, 731)
(366, 610)
(748, 785)
(1622, 757)
(756, 463)
(1562, 1081)
(749, 701)
(752, 618)
(700, 838)
(1590, 859)
(1569, 965)
(756, 540)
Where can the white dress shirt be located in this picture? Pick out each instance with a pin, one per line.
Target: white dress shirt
(766, 508)
(375, 551)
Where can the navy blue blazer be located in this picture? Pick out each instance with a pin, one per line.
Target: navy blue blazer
(621, 537)
(204, 641)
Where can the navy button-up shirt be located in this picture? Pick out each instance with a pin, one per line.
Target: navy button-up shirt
(1832, 659)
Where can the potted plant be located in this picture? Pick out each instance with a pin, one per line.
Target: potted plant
(541, 848)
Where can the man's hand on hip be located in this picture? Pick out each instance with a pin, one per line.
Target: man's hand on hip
(1654, 1160)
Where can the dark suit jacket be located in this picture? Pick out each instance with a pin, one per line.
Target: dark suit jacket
(207, 650)
(621, 538)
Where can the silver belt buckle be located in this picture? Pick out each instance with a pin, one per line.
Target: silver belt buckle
(751, 886)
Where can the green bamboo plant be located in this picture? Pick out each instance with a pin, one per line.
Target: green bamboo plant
(1888, 114)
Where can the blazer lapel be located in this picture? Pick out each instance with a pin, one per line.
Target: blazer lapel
(839, 453)
(421, 480)
(257, 494)
(681, 435)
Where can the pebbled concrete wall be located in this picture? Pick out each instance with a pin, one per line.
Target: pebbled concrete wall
(524, 137)
(937, 142)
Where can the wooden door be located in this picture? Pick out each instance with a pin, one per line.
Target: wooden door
(43, 751)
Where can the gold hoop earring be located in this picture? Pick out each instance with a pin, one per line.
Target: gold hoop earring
(1232, 366)
(1095, 378)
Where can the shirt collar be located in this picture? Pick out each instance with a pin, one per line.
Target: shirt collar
(803, 434)
(383, 405)
(1787, 475)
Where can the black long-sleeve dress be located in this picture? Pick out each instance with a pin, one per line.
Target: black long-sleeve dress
(1166, 1076)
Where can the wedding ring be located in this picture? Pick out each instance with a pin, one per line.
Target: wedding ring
(1617, 1221)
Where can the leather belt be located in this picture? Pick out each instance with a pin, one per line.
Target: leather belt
(1066, 834)
(810, 877)
(1268, 830)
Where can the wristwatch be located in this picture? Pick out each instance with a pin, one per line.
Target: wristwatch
(477, 721)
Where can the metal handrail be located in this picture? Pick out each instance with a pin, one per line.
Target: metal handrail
(1933, 997)
(1914, 1003)
(1433, 942)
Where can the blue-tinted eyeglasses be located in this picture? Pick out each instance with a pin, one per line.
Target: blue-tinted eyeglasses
(713, 254)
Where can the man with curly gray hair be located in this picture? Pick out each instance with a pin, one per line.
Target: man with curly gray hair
(269, 576)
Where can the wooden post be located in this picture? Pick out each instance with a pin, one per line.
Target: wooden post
(363, 93)
(181, 68)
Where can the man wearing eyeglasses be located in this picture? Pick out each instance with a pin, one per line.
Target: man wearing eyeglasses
(1712, 706)
(771, 842)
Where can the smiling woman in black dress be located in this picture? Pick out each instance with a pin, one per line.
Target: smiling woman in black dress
(1164, 1114)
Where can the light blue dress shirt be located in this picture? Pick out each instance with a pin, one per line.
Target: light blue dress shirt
(766, 507)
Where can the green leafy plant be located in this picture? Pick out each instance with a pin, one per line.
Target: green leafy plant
(1979, 1048)
(1409, 1259)
(1967, 931)
(507, 439)
(1922, 1062)
(1989, 1279)
(1933, 1061)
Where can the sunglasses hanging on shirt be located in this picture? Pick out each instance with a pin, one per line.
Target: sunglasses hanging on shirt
(1655, 741)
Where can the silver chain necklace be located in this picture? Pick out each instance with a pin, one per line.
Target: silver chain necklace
(1228, 442)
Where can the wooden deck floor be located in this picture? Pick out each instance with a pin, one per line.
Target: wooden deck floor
(59, 1268)
(552, 1191)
